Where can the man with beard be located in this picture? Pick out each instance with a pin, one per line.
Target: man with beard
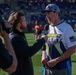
(23, 51)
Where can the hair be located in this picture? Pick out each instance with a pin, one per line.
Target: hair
(15, 18)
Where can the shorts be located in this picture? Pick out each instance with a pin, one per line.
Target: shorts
(55, 72)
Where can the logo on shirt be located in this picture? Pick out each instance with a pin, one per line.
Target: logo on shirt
(54, 35)
(54, 38)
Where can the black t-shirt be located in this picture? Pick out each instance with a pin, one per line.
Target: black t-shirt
(24, 52)
(5, 58)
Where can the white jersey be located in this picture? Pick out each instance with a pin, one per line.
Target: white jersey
(61, 38)
(64, 33)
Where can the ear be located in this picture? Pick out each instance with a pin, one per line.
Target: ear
(18, 25)
(56, 13)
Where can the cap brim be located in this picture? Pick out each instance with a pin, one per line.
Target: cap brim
(44, 11)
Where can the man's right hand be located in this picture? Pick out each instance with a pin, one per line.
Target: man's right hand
(3, 32)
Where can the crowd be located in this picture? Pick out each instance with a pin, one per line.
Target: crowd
(35, 6)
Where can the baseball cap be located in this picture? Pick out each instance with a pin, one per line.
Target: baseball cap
(51, 7)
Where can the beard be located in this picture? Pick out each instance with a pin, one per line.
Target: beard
(22, 27)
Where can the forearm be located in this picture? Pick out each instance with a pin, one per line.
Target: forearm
(44, 61)
(66, 54)
(36, 47)
(43, 55)
(11, 63)
(8, 45)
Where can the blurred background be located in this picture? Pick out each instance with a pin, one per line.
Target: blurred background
(32, 10)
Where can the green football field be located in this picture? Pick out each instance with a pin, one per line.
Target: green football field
(37, 58)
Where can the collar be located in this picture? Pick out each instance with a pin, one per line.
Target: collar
(18, 32)
(57, 24)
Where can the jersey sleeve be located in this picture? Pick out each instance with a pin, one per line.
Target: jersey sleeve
(70, 37)
(5, 58)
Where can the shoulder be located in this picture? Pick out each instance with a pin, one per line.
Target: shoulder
(15, 36)
(68, 26)
(64, 26)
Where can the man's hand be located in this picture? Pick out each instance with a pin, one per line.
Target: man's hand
(3, 32)
(44, 61)
(52, 62)
(6, 23)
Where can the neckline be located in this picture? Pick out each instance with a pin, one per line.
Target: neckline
(57, 24)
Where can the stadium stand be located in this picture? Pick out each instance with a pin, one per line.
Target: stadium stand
(32, 10)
